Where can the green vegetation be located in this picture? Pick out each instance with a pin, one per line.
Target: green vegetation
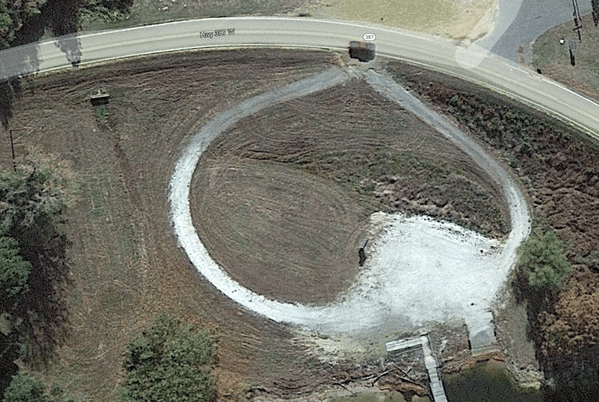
(25, 387)
(14, 273)
(32, 246)
(169, 362)
(543, 260)
(13, 14)
(32, 201)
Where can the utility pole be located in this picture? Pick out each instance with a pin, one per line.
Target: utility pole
(12, 148)
(577, 19)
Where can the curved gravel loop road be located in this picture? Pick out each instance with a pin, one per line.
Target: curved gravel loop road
(381, 295)
(488, 280)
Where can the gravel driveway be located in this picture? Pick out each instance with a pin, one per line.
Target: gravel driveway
(421, 271)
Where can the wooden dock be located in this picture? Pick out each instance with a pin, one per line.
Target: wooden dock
(430, 362)
(431, 366)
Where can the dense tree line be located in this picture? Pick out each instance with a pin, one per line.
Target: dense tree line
(24, 21)
(32, 267)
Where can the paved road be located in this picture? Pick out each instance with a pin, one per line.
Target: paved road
(520, 22)
(473, 63)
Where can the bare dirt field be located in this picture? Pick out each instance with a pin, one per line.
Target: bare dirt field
(125, 263)
(124, 257)
(463, 19)
(287, 193)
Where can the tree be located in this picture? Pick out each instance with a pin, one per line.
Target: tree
(31, 202)
(543, 261)
(25, 388)
(169, 362)
(14, 272)
(23, 22)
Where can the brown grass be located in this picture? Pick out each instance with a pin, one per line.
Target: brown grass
(124, 259)
(554, 60)
(286, 194)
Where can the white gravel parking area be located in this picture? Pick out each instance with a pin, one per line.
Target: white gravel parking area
(420, 271)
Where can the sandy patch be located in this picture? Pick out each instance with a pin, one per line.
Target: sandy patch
(457, 19)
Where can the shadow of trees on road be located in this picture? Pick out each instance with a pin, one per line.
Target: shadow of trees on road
(60, 17)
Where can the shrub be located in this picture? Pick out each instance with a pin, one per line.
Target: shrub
(25, 388)
(543, 260)
(169, 362)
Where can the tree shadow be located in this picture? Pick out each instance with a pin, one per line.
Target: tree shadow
(71, 47)
(8, 90)
(43, 313)
(39, 319)
(9, 346)
(23, 58)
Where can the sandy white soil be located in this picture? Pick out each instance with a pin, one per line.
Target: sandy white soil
(420, 271)
(456, 19)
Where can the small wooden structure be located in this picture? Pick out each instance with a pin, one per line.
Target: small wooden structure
(100, 98)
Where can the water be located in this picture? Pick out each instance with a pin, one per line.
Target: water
(486, 382)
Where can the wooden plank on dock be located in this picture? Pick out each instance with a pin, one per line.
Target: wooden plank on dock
(431, 366)
(403, 344)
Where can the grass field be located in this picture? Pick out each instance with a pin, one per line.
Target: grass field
(124, 257)
(553, 58)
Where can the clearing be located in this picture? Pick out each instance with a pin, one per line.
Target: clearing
(275, 177)
(124, 257)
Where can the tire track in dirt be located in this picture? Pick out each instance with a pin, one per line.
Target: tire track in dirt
(519, 216)
(364, 306)
(472, 306)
